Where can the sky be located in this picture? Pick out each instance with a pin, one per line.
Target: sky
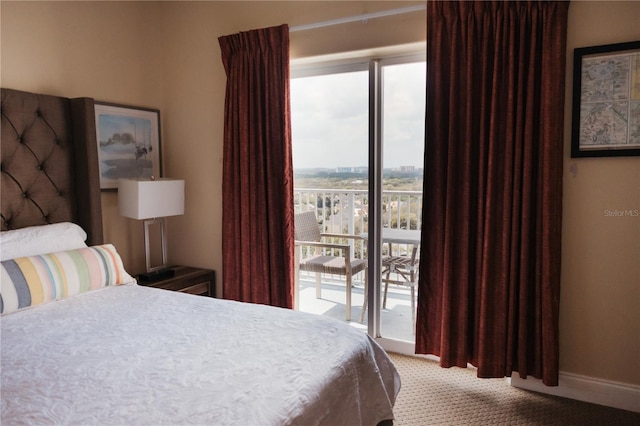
(330, 124)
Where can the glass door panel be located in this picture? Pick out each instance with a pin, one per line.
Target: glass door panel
(330, 154)
(403, 112)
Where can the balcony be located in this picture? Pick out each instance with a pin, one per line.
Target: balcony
(345, 211)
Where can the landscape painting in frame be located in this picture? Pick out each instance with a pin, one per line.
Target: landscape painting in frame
(128, 143)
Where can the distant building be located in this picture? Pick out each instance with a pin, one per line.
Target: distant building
(344, 169)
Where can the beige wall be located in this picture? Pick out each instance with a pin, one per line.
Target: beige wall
(103, 50)
(165, 55)
(600, 295)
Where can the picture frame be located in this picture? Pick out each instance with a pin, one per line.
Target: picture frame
(129, 144)
(606, 101)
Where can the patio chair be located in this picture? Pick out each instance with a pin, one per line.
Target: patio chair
(307, 233)
(406, 267)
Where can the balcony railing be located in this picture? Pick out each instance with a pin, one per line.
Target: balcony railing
(346, 211)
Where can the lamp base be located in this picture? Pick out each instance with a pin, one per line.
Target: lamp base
(157, 275)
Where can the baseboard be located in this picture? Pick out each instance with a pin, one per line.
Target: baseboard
(582, 388)
(588, 389)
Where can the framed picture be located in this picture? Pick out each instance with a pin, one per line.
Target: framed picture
(606, 101)
(128, 143)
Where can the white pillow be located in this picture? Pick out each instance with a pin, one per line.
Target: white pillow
(43, 239)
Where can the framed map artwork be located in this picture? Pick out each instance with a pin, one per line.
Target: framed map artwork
(606, 101)
(128, 143)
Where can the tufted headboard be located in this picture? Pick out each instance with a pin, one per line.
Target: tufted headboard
(49, 167)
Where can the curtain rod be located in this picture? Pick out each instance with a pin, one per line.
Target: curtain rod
(363, 18)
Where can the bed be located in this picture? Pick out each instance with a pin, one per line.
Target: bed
(83, 344)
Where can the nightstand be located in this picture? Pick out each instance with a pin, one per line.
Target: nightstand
(187, 280)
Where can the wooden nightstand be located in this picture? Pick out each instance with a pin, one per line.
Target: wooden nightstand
(187, 280)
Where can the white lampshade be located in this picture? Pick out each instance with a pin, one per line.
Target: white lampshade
(146, 199)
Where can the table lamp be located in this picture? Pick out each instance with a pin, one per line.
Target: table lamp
(152, 200)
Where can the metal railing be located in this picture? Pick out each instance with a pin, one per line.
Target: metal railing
(345, 211)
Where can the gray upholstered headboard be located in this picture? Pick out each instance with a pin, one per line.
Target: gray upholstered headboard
(49, 167)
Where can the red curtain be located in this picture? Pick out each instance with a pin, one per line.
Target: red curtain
(490, 260)
(257, 218)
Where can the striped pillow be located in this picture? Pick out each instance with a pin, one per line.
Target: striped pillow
(33, 280)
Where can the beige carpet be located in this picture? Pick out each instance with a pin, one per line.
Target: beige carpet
(432, 395)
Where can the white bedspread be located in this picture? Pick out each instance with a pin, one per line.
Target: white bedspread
(133, 355)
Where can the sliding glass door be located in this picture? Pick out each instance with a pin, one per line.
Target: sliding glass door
(358, 138)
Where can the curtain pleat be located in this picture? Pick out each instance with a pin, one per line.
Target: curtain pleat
(489, 280)
(257, 219)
